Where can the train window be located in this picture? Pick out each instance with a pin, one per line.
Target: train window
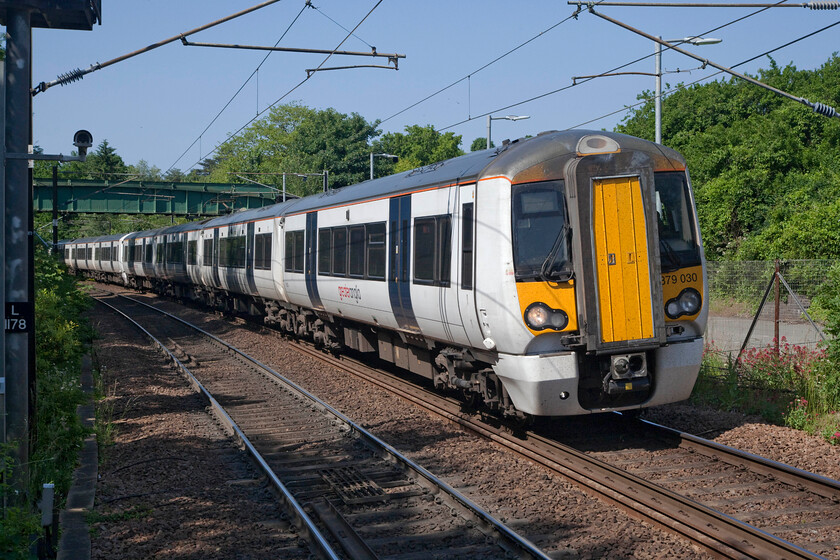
(232, 252)
(339, 252)
(675, 214)
(325, 251)
(207, 254)
(432, 250)
(541, 234)
(192, 252)
(467, 246)
(174, 252)
(238, 248)
(376, 251)
(160, 251)
(357, 251)
(262, 251)
(147, 251)
(294, 251)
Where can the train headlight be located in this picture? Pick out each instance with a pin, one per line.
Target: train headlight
(539, 316)
(687, 303)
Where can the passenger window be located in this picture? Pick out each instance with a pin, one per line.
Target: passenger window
(262, 251)
(467, 246)
(432, 250)
(294, 251)
(324, 251)
(207, 257)
(339, 260)
(357, 252)
(376, 251)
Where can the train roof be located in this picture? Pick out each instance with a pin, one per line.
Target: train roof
(546, 154)
(542, 157)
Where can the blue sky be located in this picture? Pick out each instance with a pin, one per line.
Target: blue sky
(154, 106)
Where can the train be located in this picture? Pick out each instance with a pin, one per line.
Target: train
(557, 275)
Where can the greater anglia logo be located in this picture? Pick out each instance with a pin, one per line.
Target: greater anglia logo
(345, 292)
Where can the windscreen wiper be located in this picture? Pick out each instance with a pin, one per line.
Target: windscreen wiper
(670, 253)
(547, 266)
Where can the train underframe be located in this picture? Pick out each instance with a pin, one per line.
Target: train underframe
(449, 368)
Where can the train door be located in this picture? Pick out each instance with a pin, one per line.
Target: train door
(466, 265)
(399, 274)
(622, 260)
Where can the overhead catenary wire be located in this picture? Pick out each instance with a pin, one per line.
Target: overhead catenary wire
(710, 76)
(624, 108)
(78, 73)
(817, 5)
(820, 108)
(476, 71)
(584, 80)
(293, 89)
(238, 91)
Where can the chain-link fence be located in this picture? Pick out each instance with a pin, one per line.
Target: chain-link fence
(736, 291)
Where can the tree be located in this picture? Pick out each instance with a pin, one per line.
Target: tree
(764, 167)
(145, 172)
(103, 163)
(419, 146)
(297, 139)
(481, 144)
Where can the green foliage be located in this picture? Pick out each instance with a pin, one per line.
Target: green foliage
(60, 338)
(799, 387)
(61, 335)
(17, 523)
(764, 167)
(296, 139)
(419, 146)
(481, 144)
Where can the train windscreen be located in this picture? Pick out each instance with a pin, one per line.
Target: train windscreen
(541, 232)
(677, 240)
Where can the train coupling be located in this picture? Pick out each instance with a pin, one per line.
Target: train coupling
(628, 374)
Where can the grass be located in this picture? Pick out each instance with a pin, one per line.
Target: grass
(799, 387)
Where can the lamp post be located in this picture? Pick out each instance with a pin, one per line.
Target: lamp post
(658, 99)
(507, 118)
(372, 155)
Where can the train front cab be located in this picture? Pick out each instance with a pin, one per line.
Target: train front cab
(610, 278)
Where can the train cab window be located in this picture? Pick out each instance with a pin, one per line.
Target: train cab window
(339, 251)
(376, 251)
(677, 241)
(432, 250)
(262, 251)
(357, 252)
(294, 251)
(541, 233)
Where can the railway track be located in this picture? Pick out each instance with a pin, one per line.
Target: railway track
(350, 494)
(732, 503)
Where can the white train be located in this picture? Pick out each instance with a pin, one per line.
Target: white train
(557, 275)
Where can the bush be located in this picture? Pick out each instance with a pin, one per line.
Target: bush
(61, 337)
